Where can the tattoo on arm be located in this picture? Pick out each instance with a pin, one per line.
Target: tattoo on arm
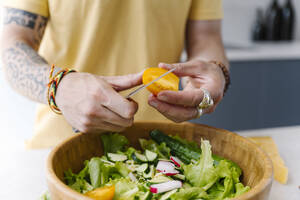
(25, 69)
(22, 18)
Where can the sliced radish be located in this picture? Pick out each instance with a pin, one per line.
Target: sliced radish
(132, 177)
(176, 161)
(171, 173)
(164, 166)
(166, 186)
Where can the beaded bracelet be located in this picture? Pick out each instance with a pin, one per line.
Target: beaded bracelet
(52, 87)
(225, 73)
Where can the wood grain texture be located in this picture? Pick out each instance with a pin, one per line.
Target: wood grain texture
(71, 154)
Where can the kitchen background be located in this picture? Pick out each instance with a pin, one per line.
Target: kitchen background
(264, 93)
(265, 76)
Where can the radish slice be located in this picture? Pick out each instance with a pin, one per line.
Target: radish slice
(166, 186)
(171, 173)
(176, 161)
(164, 166)
(132, 177)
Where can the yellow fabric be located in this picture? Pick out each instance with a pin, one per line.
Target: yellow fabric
(270, 147)
(110, 37)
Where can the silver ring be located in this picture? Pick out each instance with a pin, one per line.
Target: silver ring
(200, 112)
(206, 102)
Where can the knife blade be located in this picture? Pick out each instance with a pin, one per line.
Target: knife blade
(144, 86)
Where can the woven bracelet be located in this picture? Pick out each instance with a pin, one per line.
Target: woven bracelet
(225, 73)
(53, 85)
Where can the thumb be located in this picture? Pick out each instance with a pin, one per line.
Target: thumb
(190, 68)
(125, 82)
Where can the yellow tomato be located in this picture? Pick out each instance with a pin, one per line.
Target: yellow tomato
(168, 82)
(103, 193)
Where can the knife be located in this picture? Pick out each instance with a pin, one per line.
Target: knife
(138, 89)
(144, 86)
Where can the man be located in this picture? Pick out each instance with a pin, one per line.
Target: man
(105, 38)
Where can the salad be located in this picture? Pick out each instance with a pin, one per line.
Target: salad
(167, 168)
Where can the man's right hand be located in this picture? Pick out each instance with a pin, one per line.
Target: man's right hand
(92, 103)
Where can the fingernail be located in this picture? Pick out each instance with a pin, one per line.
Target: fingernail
(162, 97)
(161, 64)
(153, 103)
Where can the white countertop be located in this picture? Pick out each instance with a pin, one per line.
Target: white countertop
(264, 51)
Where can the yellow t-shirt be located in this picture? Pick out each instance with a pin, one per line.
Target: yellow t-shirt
(110, 37)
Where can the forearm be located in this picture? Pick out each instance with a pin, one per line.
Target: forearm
(26, 71)
(205, 43)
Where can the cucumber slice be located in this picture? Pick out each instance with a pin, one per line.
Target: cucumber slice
(140, 157)
(150, 155)
(163, 159)
(146, 196)
(116, 157)
(179, 176)
(168, 194)
(142, 168)
(150, 173)
(159, 178)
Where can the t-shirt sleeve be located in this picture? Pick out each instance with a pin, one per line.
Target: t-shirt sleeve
(34, 6)
(206, 10)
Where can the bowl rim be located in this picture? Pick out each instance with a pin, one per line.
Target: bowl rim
(264, 183)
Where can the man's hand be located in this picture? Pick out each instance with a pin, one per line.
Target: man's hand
(180, 106)
(92, 103)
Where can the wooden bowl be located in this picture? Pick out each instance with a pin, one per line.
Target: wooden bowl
(71, 154)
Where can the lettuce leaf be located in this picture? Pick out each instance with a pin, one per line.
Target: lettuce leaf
(79, 182)
(202, 174)
(95, 172)
(101, 172)
(241, 189)
(122, 169)
(113, 142)
(189, 194)
(124, 189)
(45, 196)
(161, 149)
(228, 185)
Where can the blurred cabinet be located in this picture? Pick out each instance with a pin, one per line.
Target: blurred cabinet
(262, 94)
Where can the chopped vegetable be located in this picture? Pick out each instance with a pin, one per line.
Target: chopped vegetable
(150, 173)
(132, 177)
(166, 186)
(140, 157)
(176, 161)
(113, 142)
(116, 157)
(142, 168)
(150, 155)
(183, 151)
(167, 168)
(95, 172)
(189, 193)
(103, 193)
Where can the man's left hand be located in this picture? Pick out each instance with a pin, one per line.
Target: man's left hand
(180, 106)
